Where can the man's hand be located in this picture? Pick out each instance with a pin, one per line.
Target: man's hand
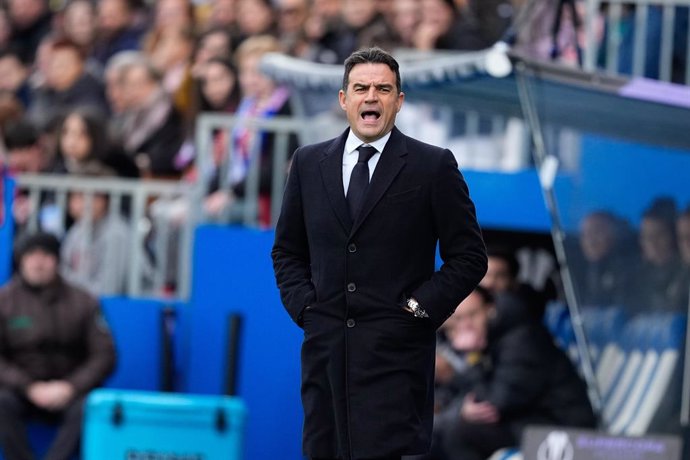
(216, 202)
(53, 395)
(478, 412)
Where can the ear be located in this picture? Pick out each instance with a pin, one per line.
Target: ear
(401, 99)
(341, 99)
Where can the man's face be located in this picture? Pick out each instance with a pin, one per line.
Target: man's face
(25, 160)
(497, 278)
(65, 68)
(292, 14)
(38, 267)
(25, 12)
(469, 324)
(596, 238)
(371, 100)
(12, 73)
(137, 87)
(113, 15)
(656, 242)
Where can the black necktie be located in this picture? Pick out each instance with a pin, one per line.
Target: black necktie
(359, 180)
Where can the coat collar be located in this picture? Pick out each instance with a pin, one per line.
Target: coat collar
(391, 162)
(332, 176)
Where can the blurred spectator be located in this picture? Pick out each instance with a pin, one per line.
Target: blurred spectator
(116, 29)
(56, 348)
(361, 25)
(95, 251)
(219, 86)
(215, 42)
(68, 85)
(83, 147)
(255, 17)
(601, 270)
(321, 32)
(521, 379)
(115, 89)
(170, 52)
(292, 17)
(152, 129)
(173, 14)
(444, 27)
(501, 280)
(263, 98)
(658, 284)
(404, 20)
(224, 16)
(14, 77)
(218, 92)
(25, 153)
(451, 376)
(79, 24)
(30, 22)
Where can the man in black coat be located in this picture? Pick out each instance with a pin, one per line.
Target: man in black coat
(360, 279)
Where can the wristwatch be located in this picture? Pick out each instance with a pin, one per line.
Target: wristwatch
(414, 308)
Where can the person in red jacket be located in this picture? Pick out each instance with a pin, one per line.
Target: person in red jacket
(55, 347)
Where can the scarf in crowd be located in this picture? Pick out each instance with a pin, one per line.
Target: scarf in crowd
(139, 125)
(246, 141)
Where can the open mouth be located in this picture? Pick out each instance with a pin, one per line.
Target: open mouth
(370, 115)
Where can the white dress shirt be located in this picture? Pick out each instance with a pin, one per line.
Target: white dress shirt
(351, 155)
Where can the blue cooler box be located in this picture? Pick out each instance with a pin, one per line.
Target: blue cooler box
(138, 425)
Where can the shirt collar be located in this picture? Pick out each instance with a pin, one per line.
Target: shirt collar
(353, 142)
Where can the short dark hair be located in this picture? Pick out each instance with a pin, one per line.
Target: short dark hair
(507, 256)
(373, 55)
(20, 134)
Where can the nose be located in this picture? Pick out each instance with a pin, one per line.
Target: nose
(372, 94)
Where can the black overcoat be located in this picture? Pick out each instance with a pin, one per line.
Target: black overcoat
(367, 364)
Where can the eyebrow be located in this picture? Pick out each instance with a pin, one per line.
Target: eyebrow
(378, 86)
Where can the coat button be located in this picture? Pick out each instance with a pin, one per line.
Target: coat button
(352, 247)
(351, 287)
(350, 322)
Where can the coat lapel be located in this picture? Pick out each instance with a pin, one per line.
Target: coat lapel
(391, 162)
(332, 175)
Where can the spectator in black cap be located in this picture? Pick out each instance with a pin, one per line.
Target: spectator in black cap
(56, 347)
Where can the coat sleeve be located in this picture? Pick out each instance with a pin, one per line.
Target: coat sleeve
(12, 376)
(460, 242)
(100, 361)
(291, 259)
(519, 372)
